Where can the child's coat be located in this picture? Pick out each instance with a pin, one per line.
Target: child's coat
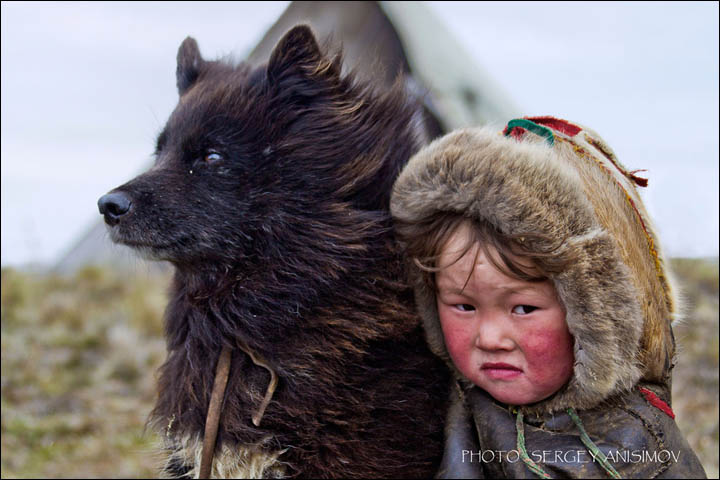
(562, 181)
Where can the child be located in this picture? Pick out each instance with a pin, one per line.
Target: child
(541, 284)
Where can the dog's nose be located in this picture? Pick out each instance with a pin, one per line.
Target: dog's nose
(113, 206)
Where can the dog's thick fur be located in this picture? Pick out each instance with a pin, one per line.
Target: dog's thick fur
(270, 195)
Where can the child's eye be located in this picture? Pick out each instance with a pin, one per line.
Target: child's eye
(464, 307)
(523, 309)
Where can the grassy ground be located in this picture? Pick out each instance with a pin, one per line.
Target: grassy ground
(79, 356)
(695, 379)
(78, 362)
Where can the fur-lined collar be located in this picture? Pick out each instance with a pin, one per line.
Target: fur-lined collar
(618, 297)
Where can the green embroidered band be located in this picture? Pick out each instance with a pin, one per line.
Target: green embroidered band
(531, 127)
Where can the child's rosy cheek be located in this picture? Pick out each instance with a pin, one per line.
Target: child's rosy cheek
(457, 339)
(542, 347)
(549, 355)
(454, 337)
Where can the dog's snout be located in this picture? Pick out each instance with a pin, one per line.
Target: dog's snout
(113, 206)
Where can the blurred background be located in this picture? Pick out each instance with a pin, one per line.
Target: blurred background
(86, 87)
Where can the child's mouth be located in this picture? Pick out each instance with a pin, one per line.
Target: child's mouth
(500, 371)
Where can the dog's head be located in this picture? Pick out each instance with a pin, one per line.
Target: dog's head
(250, 155)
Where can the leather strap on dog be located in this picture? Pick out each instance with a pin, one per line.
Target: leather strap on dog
(260, 362)
(212, 422)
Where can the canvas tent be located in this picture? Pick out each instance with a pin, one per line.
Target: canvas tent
(379, 40)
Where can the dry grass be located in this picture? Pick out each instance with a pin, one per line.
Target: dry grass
(79, 357)
(695, 379)
(78, 362)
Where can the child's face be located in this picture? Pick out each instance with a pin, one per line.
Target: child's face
(507, 336)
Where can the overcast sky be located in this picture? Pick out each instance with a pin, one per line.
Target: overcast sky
(87, 86)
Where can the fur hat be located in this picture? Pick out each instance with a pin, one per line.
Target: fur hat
(562, 181)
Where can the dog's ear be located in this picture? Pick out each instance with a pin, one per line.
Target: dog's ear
(297, 63)
(189, 62)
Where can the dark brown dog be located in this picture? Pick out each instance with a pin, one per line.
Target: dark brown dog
(270, 196)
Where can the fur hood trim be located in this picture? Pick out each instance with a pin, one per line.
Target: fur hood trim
(563, 181)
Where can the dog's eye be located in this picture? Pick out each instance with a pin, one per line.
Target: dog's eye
(212, 157)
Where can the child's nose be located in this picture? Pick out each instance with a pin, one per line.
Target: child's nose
(493, 334)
